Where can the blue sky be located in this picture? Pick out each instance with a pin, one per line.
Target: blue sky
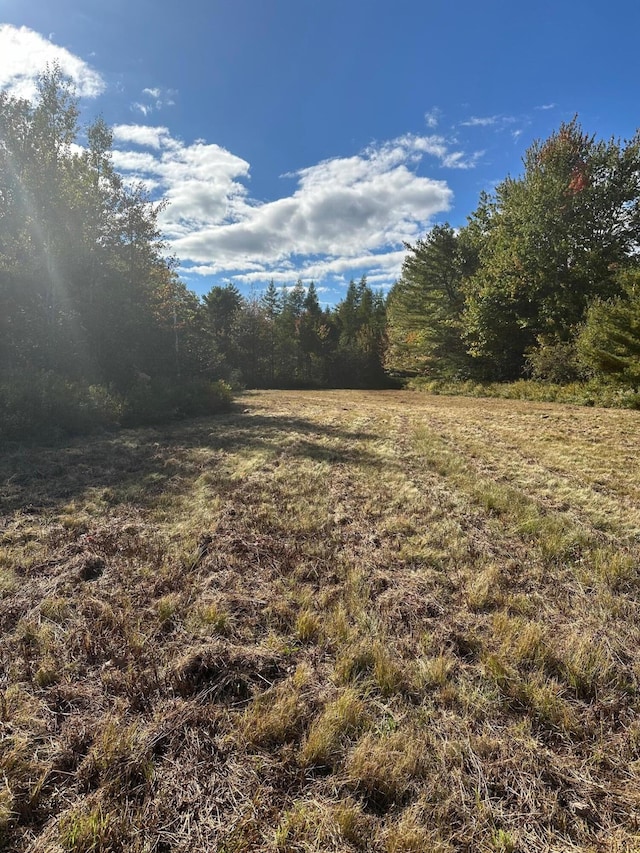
(307, 139)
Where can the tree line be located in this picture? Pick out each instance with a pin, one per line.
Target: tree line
(284, 338)
(542, 282)
(96, 326)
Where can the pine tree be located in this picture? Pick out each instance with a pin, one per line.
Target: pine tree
(609, 343)
(425, 308)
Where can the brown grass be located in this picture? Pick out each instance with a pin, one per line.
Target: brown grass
(332, 621)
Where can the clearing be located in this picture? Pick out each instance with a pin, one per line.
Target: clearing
(329, 621)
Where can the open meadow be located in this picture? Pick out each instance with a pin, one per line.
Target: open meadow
(328, 621)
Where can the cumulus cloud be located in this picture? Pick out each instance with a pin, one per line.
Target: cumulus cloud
(341, 208)
(24, 54)
(201, 181)
(345, 216)
(140, 134)
(381, 269)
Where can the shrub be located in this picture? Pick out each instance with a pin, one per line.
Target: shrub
(555, 361)
(593, 392)
(47, 404)
(159, 401)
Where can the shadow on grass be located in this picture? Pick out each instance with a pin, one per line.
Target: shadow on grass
(140, 464)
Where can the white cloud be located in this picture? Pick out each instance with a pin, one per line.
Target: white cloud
(341, 208)
(438, 146)
(154, 98)
(432, 117)
(136, 164)
(381, 268)
(345, 215)
(499, 123)
(140, 134)
(482, 121)
(547, 107)
(24, 54)
(460, 160)
(141, 108)
(201, 181)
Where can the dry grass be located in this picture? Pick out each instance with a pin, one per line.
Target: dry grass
(337, 621)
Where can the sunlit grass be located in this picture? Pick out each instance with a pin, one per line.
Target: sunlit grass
(333, 621)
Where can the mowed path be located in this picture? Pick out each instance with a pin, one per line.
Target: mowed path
(586, 458)
(335, 620)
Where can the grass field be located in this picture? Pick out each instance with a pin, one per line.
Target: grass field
(329, 621)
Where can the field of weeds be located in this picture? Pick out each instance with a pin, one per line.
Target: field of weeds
(337, 621)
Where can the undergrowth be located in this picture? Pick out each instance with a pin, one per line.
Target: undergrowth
(45, 406)
(583, 393)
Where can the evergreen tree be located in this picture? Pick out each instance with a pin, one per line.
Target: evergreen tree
(290, 357)
(360, 321)
(222, 307)
(252, 332)
(272, 307)
(425, 308)
(609, 343)
(311, 338)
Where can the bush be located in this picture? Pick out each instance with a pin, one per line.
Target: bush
(46, 404)
(609, 342)
(158, 401)
(554, 361)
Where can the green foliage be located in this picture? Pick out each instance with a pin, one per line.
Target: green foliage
(507, 295)
(609, 343)
(83, 277)
(95, 327)
(86, 832)
(425, 307)
(45, 405)
(285, 339)
(591, 392)
(555, 361)
(156, 402)
(48, 405)
(359, 323)
(550, 242)
(220, 309)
